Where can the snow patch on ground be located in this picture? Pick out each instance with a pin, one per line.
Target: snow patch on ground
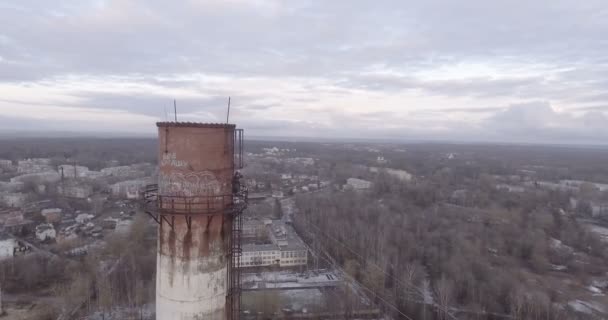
(286, 279)
(599, 230)
(121, 313)
(586, 307)
(558, 267)
(304, 298)
(556, 244)
(600, 283)
(596, 291)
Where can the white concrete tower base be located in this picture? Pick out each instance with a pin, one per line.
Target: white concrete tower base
(187, 293)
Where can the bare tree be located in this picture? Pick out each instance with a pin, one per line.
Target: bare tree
(443, 292)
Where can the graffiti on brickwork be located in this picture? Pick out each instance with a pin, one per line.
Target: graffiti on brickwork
(170, 159)
(189, 184)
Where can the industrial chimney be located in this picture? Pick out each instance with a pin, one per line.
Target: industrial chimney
(198, 203)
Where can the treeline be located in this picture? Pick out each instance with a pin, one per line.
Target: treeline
(405, 244)
(91, 152)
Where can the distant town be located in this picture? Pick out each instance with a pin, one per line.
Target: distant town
(332, 230)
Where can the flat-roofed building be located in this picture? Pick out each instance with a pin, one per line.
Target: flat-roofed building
(260, 255)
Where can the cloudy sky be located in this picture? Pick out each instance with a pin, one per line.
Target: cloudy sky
(515, 71)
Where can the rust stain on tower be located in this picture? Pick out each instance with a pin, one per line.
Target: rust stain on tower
(197, 203)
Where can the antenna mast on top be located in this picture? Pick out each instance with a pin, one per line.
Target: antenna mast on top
(175, 109)
(228, 114)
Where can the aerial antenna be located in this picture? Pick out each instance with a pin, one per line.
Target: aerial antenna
(228, 114)
(175, 109)
(166, 114)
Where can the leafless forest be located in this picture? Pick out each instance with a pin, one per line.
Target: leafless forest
(465, 232)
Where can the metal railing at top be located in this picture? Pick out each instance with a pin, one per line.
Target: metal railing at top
(193, 205)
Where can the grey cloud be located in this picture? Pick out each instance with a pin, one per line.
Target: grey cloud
(157, 105)
(467, 110)
(476, 87)
(315, 38)
(593, 108)
(472, 110)
(151, 104)
(334, 42)
(601, 97)
(527, 116)
(257, 106)
(539, 122)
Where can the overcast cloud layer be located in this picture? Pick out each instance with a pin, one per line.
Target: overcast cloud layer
(516, 71)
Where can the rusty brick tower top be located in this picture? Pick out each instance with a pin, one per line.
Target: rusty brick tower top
(198, 203)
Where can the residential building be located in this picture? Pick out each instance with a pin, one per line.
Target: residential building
(577, 183)
(14, 221)
(94, 174)
(129, 189)
(122, 171)
(357, 184)
(396, 173)
(251, 183)
(45, 232)
(6, 164)
(84, 218)
(11, 186)
(9, 247)
(75, 190)
(510, 188)
(552, 186)
(597, 209)
(459, 197)
(302, 161)
(271, 151)
(123, 226)
(39, 177)
(13, 199)
(324, 184)
(51, 215)
(34, 165)
(73, 171)
(11, 216)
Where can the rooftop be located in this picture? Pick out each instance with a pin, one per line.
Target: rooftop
(195, 125)
(259, 247)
